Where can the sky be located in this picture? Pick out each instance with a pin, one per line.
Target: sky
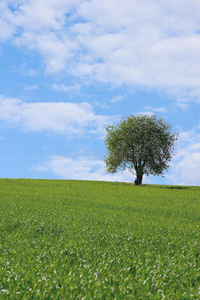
(69, 68)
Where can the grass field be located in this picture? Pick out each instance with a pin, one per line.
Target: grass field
(98, 240)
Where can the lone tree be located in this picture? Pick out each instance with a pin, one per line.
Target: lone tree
(141, 143)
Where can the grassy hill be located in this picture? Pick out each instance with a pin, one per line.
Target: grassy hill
(98, 240)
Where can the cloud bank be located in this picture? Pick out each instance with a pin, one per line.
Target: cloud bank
(155, 44)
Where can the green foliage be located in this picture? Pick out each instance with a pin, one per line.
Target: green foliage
(141, 143)
(98, 240)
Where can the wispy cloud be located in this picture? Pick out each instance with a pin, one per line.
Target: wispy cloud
(156, 109)
(66, 88)
(118, 99)
(101, 104)
(31, 87)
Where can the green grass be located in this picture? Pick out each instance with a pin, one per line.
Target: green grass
(98, 240)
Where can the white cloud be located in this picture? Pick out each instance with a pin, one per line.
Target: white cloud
(7, 28)
(55, 49)
(118, 99)
(146, 113)
(31, 87)
(145, 43)
(65, 118)
(49, 13)
(156, 109)
(151, 43)
(24, 69)
(82, 169)
(66, 88)
(101, 104)
(185, 169)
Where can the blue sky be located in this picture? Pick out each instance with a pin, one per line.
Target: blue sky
(68, 68)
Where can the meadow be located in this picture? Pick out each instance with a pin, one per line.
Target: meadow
(98, 240)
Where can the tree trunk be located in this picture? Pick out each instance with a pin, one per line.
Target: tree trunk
(138, 180)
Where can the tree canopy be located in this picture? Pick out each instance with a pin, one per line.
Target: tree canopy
(141, 143)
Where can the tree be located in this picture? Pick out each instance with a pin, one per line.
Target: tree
(141, 143)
